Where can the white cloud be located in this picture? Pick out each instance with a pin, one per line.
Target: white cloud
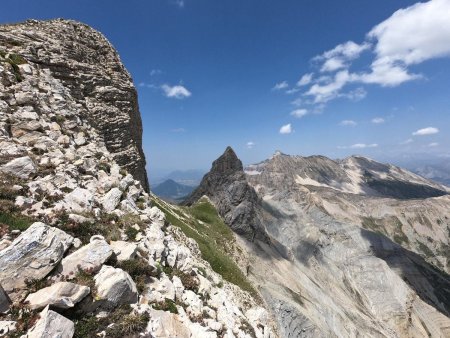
(355, 95)
(281, 85)
(332, 65)
(433, 144)
(348, 123)
(378, 120)
(297, 102)
(408, 37)
(338, 57)
(426, 131)
(305, 80)
(414, 34)
(250, 145)
(363, 145)
(299, 113)
(359, 146)
(286, 129)
(177, 92)
(348, 50)
(329, 91)
(408, 141)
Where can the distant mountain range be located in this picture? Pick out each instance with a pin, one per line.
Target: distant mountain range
(439, 172)
(172, 190)
(191, 177)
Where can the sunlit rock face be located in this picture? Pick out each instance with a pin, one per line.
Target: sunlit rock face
(357, 248)
(80, 237)
(85, 80)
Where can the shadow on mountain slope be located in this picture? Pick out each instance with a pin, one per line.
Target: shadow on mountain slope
(430, 284)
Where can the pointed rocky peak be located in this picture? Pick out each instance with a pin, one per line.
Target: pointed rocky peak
(228, 162)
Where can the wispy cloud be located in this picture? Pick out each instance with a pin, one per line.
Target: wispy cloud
(286, 129)
(178, 130)
(393, 50)
(177, 92)
(378, 120)
(339, 57)
(147, 85)
(305, 80)
(281, 85)
(250, 145)
(179, 3)
(408, 141)
(426, 131)
(359, 146)
(155, 72)
(299, 113)
(433, 144)
(348, 123)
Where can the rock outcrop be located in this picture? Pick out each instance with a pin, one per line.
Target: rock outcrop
(32, 255)
(350, 229)
(61, 295)
(79, 232)
(89, 73)
(235, 200)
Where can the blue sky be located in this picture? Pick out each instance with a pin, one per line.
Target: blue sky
(306, 77)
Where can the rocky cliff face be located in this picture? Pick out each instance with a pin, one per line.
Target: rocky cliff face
(233, 197)
(92, 84)
(83, 250)
(359, 262)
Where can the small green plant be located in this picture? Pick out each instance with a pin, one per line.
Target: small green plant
(24, 318)
(86, 327)
(34, 285)
(166, 305)
(105, 167)
(86, 278)
(131, 233)
(139, 270)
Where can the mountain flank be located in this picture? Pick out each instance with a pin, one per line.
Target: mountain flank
(86, 250)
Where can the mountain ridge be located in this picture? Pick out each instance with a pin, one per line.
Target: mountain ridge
(338, 240)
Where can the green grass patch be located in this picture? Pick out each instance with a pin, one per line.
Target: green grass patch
(213, 237)
(15, 221)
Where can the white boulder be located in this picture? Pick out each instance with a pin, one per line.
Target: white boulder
(124, 250)
(88, 258)
(32, 255)
(52, 325)
(115, 287)
(61, 295)
(112, 199)
(21, 167)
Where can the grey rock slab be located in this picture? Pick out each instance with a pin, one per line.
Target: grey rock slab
(124, 250)
(112, 199)
(32, 255)
(115, 287)
(21, 167)
(89, 257)
(52, 325)
(4, 301)
(62, 295)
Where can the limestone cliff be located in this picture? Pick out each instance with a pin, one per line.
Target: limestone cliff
(234, 198)
(359, 238)
(85, 250)
(89, 70)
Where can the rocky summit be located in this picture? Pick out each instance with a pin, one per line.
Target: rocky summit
(356, 248)
(85, 249)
